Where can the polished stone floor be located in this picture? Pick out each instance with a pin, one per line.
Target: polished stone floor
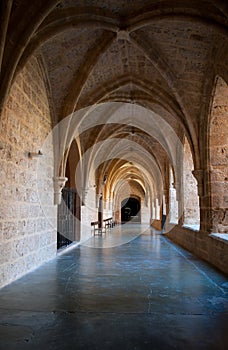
(132, 292)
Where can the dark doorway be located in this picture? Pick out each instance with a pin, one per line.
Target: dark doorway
(68, 211)
(130, 210)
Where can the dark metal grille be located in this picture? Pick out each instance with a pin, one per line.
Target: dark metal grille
(67, 212)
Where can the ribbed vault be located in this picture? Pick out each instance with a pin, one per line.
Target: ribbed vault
(161, 56)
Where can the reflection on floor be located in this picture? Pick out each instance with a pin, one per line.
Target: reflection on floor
(118, 235)
(143, 292)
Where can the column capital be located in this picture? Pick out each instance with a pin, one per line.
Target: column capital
(59, 183)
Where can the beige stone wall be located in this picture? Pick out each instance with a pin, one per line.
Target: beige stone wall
(206, 247)
(219, 158)
(27, 233)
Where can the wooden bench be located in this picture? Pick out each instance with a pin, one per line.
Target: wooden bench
(95, 226)
(108, 223)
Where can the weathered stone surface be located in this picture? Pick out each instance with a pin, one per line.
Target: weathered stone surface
(211, 249)
(25, 123)
(219, 157)
(169, 58)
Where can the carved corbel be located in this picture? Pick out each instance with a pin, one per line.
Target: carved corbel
(59, 183)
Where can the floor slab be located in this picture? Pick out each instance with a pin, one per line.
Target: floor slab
(142, 293)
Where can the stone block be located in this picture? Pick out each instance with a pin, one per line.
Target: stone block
(219, 156)
(31, 226)
(5, 252)
(18, 249)
(22, 227)
(16, 269)
(30, 262)
(23, 127)
(10, 229)
(24, 211)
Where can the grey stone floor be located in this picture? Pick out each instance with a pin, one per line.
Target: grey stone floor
(139, 292)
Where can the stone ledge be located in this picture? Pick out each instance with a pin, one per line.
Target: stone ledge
(220, 236)
(194, 228)
(209, 247)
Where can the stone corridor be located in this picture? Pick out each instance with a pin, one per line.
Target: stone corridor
(131, 289)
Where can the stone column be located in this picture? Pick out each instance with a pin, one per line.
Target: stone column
(84, 195)
(217, 199)
(100, 211)
(157, 209)
(166, 200)
(153, 210)
(173, 205)
(201, 176)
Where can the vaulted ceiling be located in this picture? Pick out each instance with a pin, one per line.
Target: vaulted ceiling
(163, 55)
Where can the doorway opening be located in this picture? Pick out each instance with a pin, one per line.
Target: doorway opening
(130, 210)
(67, 213)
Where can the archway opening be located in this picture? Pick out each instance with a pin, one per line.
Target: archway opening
(130, 210)
(191, 199)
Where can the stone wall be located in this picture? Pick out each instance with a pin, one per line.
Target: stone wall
(219, 158)
(206, 247)
(27, 225)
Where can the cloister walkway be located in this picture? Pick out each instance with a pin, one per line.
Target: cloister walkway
(130, 289)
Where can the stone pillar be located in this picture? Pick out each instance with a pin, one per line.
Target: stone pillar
(166, 200)
(146, 199)
(217, 200)
(100, 211)
(157, 209)
(179, 202)
(201, 176)
(153, 210)
(85, 192)
(173, 205)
